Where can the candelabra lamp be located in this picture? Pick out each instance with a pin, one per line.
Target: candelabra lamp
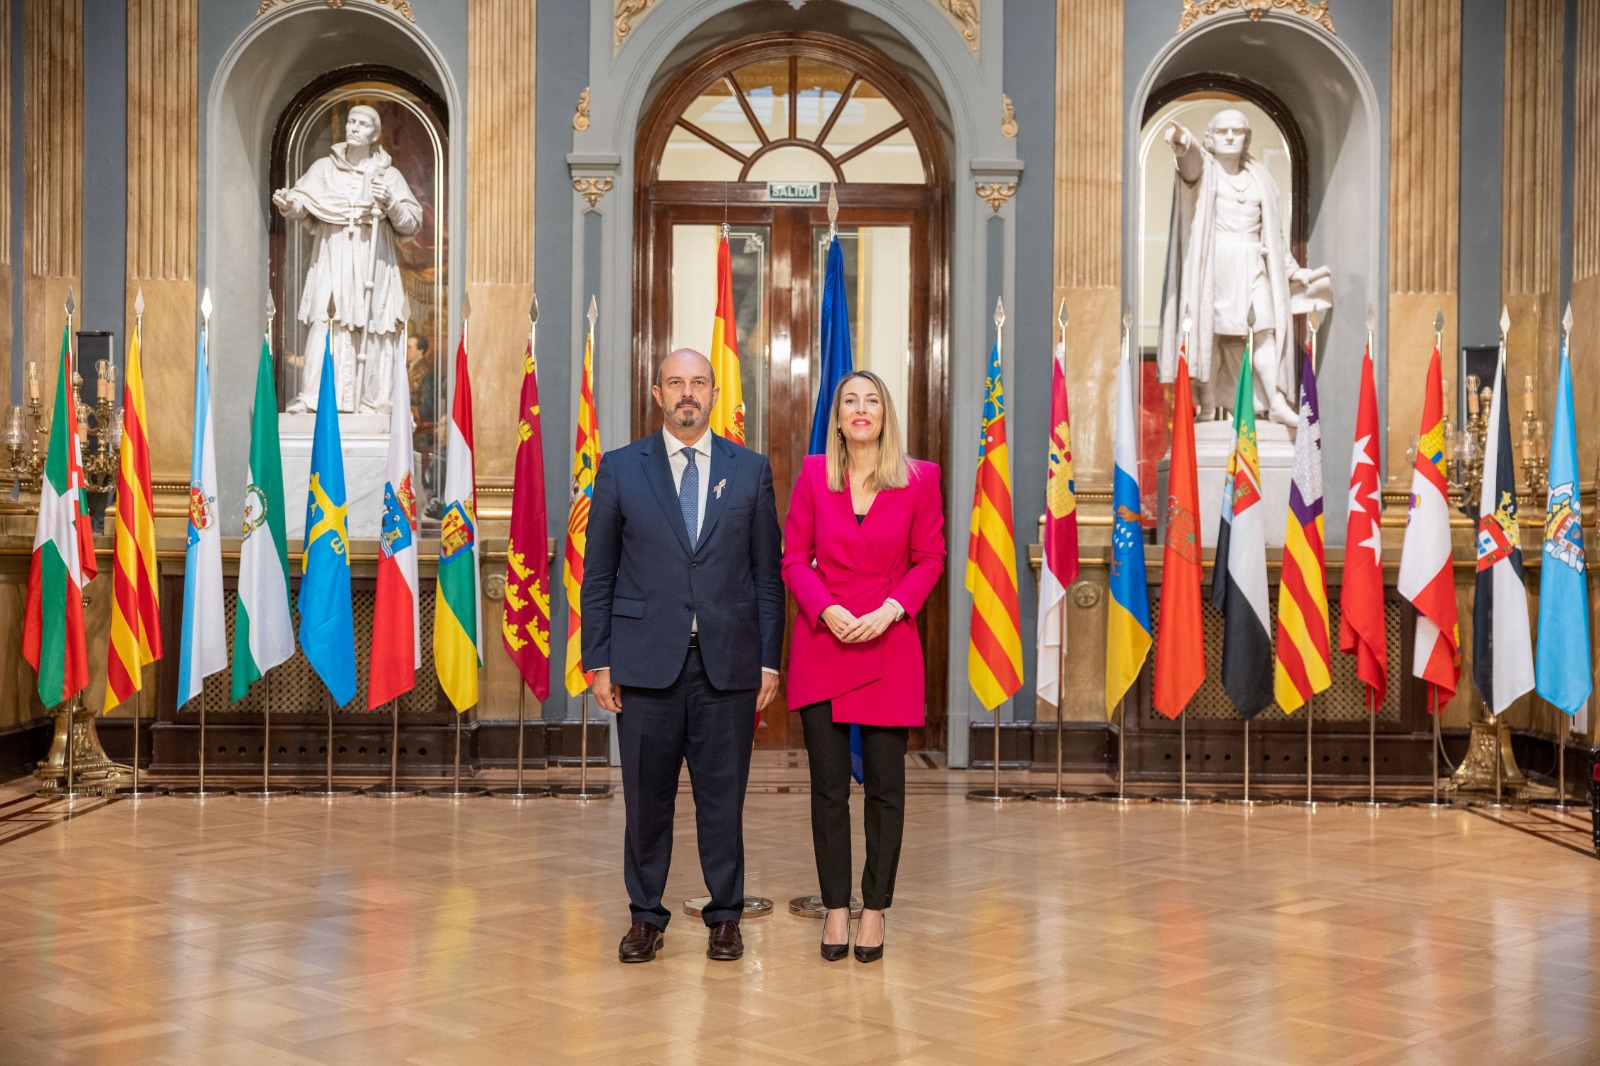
(1535, 455)
(99, 431)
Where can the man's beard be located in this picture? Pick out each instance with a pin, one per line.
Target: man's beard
(686, 416)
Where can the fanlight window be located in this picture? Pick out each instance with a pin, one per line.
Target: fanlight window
(792, 119)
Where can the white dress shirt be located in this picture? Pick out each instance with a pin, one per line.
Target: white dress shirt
(678, 464)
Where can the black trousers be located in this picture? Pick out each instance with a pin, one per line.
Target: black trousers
(657, 730)
(883, 772)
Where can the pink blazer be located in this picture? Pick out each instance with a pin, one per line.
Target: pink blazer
(897, 551)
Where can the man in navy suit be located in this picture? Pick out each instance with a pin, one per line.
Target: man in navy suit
(683, 612)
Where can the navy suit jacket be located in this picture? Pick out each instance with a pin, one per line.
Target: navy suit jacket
(642, 586)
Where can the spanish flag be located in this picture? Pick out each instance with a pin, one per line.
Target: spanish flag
(457, 611)
(727, 414)
(585, 462)
(994, 647)
(135, 600)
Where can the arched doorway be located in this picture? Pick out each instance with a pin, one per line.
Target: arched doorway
(806, 110)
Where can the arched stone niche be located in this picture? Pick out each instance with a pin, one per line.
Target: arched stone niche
(261, 72)
(1330, 95)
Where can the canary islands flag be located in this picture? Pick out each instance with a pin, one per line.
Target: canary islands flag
(327, 629)
(1561, 671)
(1128, 620)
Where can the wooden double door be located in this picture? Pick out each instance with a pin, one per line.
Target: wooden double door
(893, 244)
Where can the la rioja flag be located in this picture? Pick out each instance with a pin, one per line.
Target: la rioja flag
(1361, 629)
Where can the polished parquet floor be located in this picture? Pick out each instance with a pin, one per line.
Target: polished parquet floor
(432, 932)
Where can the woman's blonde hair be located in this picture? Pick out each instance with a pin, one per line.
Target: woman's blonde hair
(892, 469)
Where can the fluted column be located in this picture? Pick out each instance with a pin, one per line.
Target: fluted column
(1585, 343)
(52, 225)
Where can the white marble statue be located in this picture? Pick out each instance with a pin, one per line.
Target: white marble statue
(1226, 255)
(357, 206)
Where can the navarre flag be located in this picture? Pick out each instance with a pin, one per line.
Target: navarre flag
(1060, 568)
(1180, 664)
(525, 627)
(1427, 579)
(203, 649)
(63, 557)
(396, 651)
(1502, 646)
(585, 462)
(457, 611)
(834, 345)
(1361, 628)
(1128, 616)
(994, 644)
(1302, 647)
(1239, 578)
(727, 415)
(327, 627)
(263, 628)
(135, 640)
(1561, 670)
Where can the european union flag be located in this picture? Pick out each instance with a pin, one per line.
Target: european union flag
(1561, 669)
(327, 629)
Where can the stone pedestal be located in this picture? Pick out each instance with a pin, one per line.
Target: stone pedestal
(1213, 441)
(365, 442)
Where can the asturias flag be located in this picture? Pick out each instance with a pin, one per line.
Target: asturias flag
(525, 627)
(1128, 617)
(263, 630)
(1427, 579)
(327, 628)
(135, 599)
(1502, 646)
(63, 558)
(396, 652)
(1060, 568)
(1180, 639)
(1303, 656)
(1562, 668)
(585, 462)
(727, 416)
(1361, 628)
(203, 649)
(994, 646)
(457, 611)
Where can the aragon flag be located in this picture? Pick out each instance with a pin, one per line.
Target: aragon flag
(1302, 649)
(1239, 580)
(457, 612)
(525, 627)
(263, 629)
(396, 649)
(1180, 638)
(727, 415)
(1361, 627)
(1502, 646)
(63, 558)
(135, 640)
(585, 463)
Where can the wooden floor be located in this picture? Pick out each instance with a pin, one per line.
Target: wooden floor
(434, 932)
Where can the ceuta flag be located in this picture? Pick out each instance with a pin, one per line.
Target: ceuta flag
(727, 416)
(1303, 657)
(1180, 639)
(396, 652)
(1502, 646)
(525, 627)
(1426, 577)
(63, 558)
(1060, 534)
(585, 463)
(135, 640)
(1361, 629)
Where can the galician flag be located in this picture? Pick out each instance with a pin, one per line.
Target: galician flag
(585, 463)
(63, 558)
(1562, 668)
(263, 628)
(1128, 616)
(457, 611)
(525, 626)
(1303, 656)
(327, 625)
(204, 646)
(727, 416)
(1060, 568)
(135, 640)
(396, 651)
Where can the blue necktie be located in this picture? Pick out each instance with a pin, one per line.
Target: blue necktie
(689, 498)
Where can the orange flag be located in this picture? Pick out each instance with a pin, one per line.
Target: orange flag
(1180, 635)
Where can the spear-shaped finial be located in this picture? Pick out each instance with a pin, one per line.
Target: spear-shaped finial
(533, 310)
(1372, 321)
(833, 211)
(1061, 316)
(466, 306)
(1314, 319)
(1566, 319)
(1127, 319)
(205, 305)
(1250, 320)
(71, 304)
(272, 309)
(138, 304)
(1438, 322)
(594, 311)
(999, 312)
(1505, 321)
(1188, 322)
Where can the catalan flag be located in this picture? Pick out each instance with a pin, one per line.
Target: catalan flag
(458, 610)
(525, 626)
(727, 414)
(1128, 617)
(1303, 656)
(994, 647)
(1060, 568)
(585, 461)
(135, 597)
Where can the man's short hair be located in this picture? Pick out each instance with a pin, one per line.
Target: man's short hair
(421, 342)
(661, 367)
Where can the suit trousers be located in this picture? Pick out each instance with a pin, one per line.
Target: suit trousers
(657, 730)
(883, 772)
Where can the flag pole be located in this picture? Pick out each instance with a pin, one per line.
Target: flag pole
(1313, 320)
(1435, 712)
(394, 790)
(457, 790)
(583, 791)
(1246, 800)
(328, 790)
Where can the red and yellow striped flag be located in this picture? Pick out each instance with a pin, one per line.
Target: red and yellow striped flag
(994, 647)
(1302, 668)
(135, 601)
(585, 461)
(727, 414)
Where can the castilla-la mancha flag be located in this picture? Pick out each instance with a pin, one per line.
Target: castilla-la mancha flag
(1060, 545)
(63, 558)
(525, 627)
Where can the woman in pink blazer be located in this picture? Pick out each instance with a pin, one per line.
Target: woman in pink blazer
(863, 548)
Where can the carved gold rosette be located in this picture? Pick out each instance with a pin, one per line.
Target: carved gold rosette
(1194, 10)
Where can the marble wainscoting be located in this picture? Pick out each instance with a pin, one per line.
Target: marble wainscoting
(365, 441)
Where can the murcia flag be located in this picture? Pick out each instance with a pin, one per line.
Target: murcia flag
(1361, 628)
(525, 626)
(1128, 614)
(1060, 568)
(1562, 669)
(1502, 646)
(1180, 664)
(63, 558)
(457, 612)
(1303, 657)
(396, 652)
(203, 649)
(263, 629)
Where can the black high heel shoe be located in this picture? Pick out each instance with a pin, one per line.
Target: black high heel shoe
(835, 952)
(875, 953)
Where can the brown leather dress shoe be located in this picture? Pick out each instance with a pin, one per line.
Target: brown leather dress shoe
(641, 943)
(725, 943)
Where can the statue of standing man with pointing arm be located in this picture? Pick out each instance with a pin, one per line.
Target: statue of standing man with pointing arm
(357, 207)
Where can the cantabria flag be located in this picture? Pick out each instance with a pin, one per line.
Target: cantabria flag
(457, 619)
(204, 647)
(396, 629)
(63, 560)
(263, 630)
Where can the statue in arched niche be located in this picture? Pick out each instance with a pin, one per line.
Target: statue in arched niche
(1226, 256)
(357, 206)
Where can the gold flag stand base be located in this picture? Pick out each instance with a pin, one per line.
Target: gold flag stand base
(93, 771)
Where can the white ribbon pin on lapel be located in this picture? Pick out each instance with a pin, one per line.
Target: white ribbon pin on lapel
(717, 488)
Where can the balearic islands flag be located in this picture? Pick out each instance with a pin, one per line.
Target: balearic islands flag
(585, 462)
(135, 640)
(1562, 668)
(1060, 568)
(1361, 628)
(457, 613)
(396, 652)
(263, 629)
(203, 649)
(63, 559)
(1303, 656)
(1128, 615)
(1180, 638)
(525, 627)
(1502, 647)
(727, 416)
(994, 644)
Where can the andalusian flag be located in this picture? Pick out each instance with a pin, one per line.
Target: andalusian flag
(727, 416)
(994, 646)
(525, 626)
(1060, 567)
(263, 628)
(203, 649)
(1427, 578)
(1128, 618)
(1303, 650)
(135, 598)
(585, 461)
(395, 655)
(63, 558)
(457, 611)
(327, 625)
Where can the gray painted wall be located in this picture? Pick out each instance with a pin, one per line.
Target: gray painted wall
(1483, 76)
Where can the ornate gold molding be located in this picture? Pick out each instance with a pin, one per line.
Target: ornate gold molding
(996, 194)
(1008, 117)
(1194, 10)
(591, 189)
(965, 14)
(399, 7)
(580, 120)
(626, 12)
